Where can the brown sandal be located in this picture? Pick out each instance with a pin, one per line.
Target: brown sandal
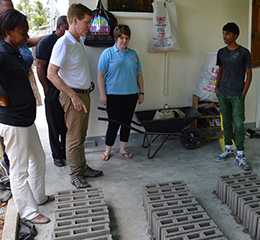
(40, 219)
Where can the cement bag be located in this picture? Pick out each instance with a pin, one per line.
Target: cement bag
(164, 27)
(205, 89)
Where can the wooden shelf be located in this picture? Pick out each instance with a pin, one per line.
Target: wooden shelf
(210, 116)
(196, 105)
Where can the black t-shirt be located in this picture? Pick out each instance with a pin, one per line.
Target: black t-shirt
(14, 83)
(43, 52)
(44, 48)
(234, 62)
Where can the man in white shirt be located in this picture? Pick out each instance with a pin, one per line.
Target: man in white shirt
(69, 71)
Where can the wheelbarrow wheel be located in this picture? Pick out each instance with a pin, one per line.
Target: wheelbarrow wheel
(188, 140)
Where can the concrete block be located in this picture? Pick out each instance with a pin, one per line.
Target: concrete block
(167, 197)
(220, 238)
(174, 230)
(79, 205)
(234, 181)
(157, 204)
(235, 195)
(242, 201)
(254, 219)
(258, 230)
(245, 218)
(79, 197)
(90, 144)
(174, 213)
(249, 210)
(81, 222)
(213, 233)
(107, 237)
(221, 182)
(245, 185)
(82, 233)
(221, 189)
(186, 228)
(77, 191)
(241, 183)
(180, 220)
(81, 213)
(167, 185)
(164, 190)
(167, 205)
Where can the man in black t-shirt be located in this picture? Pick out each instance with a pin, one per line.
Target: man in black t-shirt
(54, 111)
(234, 63)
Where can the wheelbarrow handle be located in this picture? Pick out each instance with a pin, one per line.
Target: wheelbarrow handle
(102, 108)
(120, 123)
(134, 122)
(102, 119)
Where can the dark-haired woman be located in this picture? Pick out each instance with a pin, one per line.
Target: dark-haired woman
(23, 146)
(28, 58)
(120, 82)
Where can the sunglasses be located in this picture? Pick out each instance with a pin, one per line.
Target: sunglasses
(122, 26)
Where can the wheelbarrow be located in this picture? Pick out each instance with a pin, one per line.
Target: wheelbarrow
(190, 138)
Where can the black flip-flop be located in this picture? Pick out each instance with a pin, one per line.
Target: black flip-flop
(106, 157)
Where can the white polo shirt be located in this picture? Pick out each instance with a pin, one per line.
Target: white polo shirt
(70, 55)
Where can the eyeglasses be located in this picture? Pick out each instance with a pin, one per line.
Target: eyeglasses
(122, 26)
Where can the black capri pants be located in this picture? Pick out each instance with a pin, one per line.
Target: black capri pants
(120, 108)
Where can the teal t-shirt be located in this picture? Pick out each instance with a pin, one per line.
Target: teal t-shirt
(121, 70)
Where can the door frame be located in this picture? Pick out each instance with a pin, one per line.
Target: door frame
(257, 119)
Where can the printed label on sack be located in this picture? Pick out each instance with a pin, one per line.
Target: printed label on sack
(210, 87)
(100, 26)
(161, 40)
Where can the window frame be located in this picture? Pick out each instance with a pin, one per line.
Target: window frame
(122, 3)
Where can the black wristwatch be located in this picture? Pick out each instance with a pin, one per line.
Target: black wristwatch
(141, 93)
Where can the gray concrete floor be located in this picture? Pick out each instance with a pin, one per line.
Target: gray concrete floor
(123, 181)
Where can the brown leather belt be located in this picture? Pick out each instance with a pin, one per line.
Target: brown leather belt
(82, 91)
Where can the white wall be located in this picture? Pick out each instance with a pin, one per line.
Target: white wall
(199, 29)
(61, 6)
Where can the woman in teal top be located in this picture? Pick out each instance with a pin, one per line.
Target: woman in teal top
(120, 82)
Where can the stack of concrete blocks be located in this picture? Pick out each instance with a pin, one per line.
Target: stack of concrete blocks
(241, 192)
(81, 214)
(174, 214)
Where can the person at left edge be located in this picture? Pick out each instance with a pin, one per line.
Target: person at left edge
(28, 58)
(23, 146)
(53, 110)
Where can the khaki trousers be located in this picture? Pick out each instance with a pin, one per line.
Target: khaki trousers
(77, 125)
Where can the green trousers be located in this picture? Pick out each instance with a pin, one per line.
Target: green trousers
(232, 109)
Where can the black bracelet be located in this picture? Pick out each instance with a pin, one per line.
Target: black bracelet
(141, 93)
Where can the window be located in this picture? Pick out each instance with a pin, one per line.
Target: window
(130, 5)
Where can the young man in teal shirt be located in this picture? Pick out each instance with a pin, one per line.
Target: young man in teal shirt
(234, 63)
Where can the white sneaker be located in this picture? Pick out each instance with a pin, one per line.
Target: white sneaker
(241, 162)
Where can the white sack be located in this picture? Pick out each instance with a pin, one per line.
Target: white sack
(205, 89)
(164, 27)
